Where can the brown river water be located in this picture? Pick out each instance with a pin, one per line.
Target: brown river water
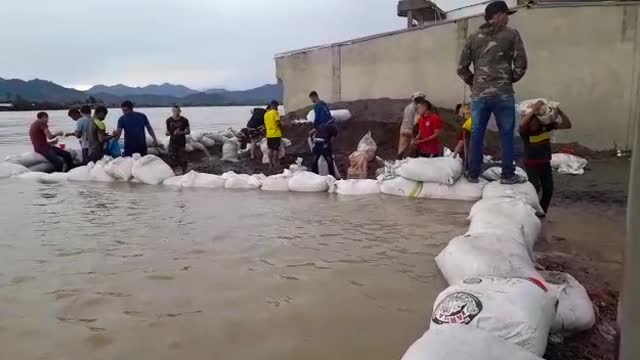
(128, 271)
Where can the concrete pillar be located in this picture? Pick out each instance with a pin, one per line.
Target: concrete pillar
(336, 73)
(409, 19)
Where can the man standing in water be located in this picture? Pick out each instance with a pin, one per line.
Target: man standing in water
(273, 127)
(324, 130)
(134, 124)
(177, 129)
(499, 60)
(43, 140)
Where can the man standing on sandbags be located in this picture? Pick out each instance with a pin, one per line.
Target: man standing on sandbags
(273, 128)
(133, 124)
(177, 130)
(324, 130)
(499, 60)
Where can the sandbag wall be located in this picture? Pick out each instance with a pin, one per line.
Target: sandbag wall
(498, 305)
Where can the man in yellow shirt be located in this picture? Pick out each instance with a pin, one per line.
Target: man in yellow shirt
(273, 128)
(464, 136)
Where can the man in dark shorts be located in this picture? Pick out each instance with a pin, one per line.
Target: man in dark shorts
(134, 124)
(43, 140)
(537, 151)
(324, 130)
(177, 130)
(273, 128)
(255, 128)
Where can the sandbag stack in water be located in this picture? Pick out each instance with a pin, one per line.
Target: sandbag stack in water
(496, 295)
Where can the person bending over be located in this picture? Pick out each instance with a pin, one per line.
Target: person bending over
(43, 142)
(537, 151)
(429, 128)
(255, 129)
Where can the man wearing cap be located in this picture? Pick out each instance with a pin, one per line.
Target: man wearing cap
(499, 60)
(408, 123)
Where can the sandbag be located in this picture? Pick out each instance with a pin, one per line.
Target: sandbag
(82, 173)
(506, 216)
(207, 142)
(264, 148)
(355, 187)
(8, 169)
(196, 135)
(547, 114)
(358, 165)
(27, 159)
(54, 177)
(400, 186)
(439, 170)
(368, 146)
(76, 155)
(99, 173)
(151, 170)
(575, 310)
(45, 167)
(120, 168)
(495, 173)
(310, 182)
(462, 190)
(525, 192)
(189, 147)
(32, 175)
(517, 310)
(217, 137)
(197, 146)
(297, 166)
(337, 115)
(278, 182)
(459, 342)
(196, 180)
(241, 181)
(485, 254)
(230, 150)
(568, 164)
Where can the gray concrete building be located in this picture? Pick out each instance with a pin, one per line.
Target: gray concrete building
(586, 55)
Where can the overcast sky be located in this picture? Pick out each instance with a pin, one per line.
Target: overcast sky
(198, 43)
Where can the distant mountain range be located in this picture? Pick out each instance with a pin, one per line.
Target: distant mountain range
(46, 92)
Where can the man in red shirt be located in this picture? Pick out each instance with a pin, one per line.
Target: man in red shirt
(429, 126)
(43, 140)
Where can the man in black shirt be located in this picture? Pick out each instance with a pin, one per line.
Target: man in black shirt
(177, 130)
(537, 151)
(255, 128)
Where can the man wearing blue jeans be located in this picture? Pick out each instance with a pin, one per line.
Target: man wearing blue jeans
(499, 60)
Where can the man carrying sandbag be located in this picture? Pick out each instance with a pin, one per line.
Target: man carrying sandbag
(324, 130)
(408, 124)
(499, 60)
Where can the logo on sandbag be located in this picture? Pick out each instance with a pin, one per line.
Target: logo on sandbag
(457, 308)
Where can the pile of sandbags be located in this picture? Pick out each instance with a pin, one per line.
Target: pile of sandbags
(497, 299)
(9, 169)
(429, 178)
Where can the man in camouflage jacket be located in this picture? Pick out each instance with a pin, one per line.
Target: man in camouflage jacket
(499, 60)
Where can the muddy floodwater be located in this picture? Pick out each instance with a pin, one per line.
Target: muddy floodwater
(126, 271)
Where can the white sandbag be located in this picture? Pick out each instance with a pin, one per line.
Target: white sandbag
(486, 254)
(230, 150)
(76, 155)
(547, 114)
(164, 142)
(175, 181)
(297, 166)
(506, 216)
(207, 142)
(439, 170)
(400, 186)
(368, 145)
(568, 164)
(8, 169)
(27, 159)
(99, 173)
(196, 136)
(229, 133)
(355, 187)
(196, 180)
(242, 182)
(525, 192)
(462, 190)
(517, 310)
(217, 137)
(278, 182)
(197, 146)
(495, 173)
(310, 182)
(575, 310)
(337, 115)
(45, 167)
(33, 175)
(151, 170)
(120, 168)
(189, 147)
(459, 342)
(264, 148)
(55, 177)
(82, 173)
(154, 151)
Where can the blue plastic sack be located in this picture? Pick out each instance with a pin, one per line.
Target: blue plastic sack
(113, 149)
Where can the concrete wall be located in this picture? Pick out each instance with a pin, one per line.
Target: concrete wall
(586, 57)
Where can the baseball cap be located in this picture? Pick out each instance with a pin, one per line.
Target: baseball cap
(418, 94)
(497, 7)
